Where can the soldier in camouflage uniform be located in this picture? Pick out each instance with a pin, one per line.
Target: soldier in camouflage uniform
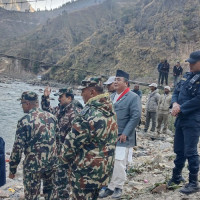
(89, 148)
(65, 112)
(36, 137)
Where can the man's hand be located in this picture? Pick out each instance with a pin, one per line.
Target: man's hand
(175, 109)
(122, 138)
(47, 91)
(11, 176)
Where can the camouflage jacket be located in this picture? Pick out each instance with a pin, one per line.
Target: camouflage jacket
(90, 146)
(65, 115)
(36, 137)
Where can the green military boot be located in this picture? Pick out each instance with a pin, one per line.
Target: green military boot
(192, 186)
(176, 178)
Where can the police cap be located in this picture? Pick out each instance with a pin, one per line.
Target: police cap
(194, 57)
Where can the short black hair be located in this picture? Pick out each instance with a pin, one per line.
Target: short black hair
(98, 89)
(69, 95)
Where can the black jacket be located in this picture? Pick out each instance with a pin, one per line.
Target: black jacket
(177, 71)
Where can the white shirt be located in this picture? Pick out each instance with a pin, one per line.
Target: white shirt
(116, 97)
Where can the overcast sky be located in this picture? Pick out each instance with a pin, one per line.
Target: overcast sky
(49, 4)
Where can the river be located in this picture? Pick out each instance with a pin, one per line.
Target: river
(11, 110)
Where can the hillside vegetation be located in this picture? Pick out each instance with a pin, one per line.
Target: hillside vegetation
(102, 36)
(144, 32)
(57, 37)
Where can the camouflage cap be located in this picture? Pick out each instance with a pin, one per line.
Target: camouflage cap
(64, 91)
(90, 82)
(29, 96)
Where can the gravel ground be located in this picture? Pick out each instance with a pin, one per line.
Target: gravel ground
(152, 166)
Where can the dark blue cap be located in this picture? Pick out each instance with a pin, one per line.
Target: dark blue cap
(194, 57)
(121, 73)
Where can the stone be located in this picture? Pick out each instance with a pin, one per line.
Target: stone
(138, 187)
(160, 189)
(4, 194)
(134, 183)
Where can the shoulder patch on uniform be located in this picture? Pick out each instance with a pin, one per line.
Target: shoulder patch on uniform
(184, 79)
(84, 110)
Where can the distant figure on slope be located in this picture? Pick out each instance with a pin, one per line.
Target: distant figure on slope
(165, 72)
(151, 107)
(177, 72)
(160, 74)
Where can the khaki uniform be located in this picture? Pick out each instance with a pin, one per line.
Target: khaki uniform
(163, 112)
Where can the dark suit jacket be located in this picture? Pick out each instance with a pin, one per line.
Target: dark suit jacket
(128, 110)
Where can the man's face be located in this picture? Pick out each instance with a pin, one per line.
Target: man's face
(152, 88)
(195, 67)
(111, 87)
(64, 100)
(166, 91)
(120, 84)
(25, 106)
(86, 94)
(136, 87)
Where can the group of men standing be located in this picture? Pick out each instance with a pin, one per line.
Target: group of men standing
(78, 151)
(158, 109)
(186, 109)
(73, 149)
(163, 70)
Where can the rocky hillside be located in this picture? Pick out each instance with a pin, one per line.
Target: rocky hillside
(143, 32)
(17, 24)
(15, 5)
(101, 36)
(58, 36)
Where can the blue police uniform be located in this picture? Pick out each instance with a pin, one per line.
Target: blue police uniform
(187, 95)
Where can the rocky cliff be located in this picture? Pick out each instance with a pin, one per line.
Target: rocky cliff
(16, 5)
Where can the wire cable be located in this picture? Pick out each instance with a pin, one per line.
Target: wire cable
(28, 1)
